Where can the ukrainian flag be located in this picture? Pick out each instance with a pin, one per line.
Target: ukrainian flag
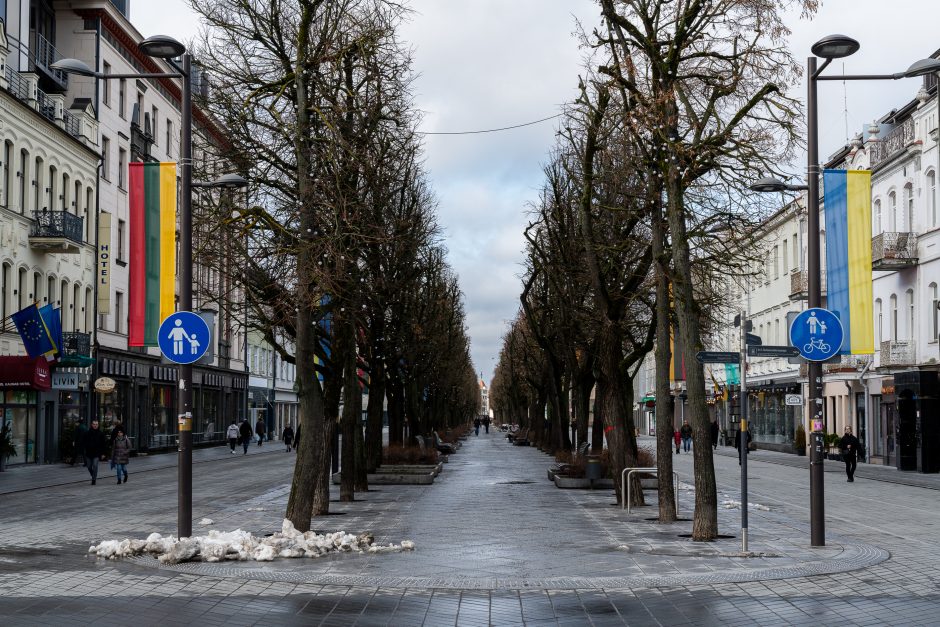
(848, 256)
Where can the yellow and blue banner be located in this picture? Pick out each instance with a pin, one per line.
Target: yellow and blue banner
(848, 256)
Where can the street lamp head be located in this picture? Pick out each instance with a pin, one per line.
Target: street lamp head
(835, 47)
(923, 67)
(162, 47)
(768, 184)
(73, 66)
(230, 181)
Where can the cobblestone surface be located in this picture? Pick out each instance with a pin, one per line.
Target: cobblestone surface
(496, 544)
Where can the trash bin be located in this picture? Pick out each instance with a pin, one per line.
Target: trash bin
(593, 469)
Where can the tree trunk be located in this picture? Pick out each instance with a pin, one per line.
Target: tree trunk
(597, 426)
(396, 412)
(374, 419)
(349, 420)
(582, 405)
(705, 524)
(618, 426)
(664, 439)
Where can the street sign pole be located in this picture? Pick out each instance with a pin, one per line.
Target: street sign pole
(742, 450)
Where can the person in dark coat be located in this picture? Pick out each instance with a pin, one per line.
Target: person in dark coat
(121, 454)
(737, 444)
(288, 436)
(476, 426)
(95, 446)
(849, 445)
(245, 430)
(260, 430)
(79, 442)
(486, 423)
(686, 432)
(713, 431)
(678, 439)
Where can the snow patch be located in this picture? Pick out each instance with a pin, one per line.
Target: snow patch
(255, 509)
(206, 522)
(732, 504)
(241, 545)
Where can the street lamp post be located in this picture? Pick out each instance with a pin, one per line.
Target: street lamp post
(827, 48)
(168, 49)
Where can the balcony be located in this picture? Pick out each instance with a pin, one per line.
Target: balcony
(42, 54)
(847, 363)
(76, 350)
(893, 251)
(56, 232)
(49, 106)
(892, 143)
(896, 353)
(799, 285)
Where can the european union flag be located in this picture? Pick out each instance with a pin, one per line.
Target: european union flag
(53, 319)
(33, 330)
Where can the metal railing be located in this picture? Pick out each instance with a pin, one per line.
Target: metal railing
(893, 246)
(847, 362)
(43, 54)
(626, 485)
(57, 224)
(17, 84)
(892, 143)
(897, 353)
(799, 283)
(19, 87)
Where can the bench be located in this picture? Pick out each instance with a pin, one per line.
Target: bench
(443, 447)
(561, 468)
(521, 438)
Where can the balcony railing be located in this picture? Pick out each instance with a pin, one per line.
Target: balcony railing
(897, 353)
(17, 84)
(43, 54)
(892, 143)
(799, 285)
(848, 363)
(893, 251)
(56, 231)
(19, 87)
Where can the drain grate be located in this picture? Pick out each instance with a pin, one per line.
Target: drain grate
(513, 482)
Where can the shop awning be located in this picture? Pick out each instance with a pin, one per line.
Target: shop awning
(25, 372)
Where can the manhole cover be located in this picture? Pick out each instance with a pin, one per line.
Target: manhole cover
(513, 482)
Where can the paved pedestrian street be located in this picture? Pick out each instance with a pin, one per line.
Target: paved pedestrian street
(496, 544)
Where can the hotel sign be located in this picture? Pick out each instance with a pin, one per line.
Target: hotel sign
(103, 267)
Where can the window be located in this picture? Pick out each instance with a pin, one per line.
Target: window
(37, 183)
(894, 318)
(910, 315)
(932, 197)
(776, 262)
(64, 196)
(122, 98)
(934, 313)
(797, 254)
(118, 312)
(909, 205)
(105, 158)
(77, 199)
(876, 214)
(76, 299)
(122, 168)
(892, 212)
(106, 85)
(169, 138)
(50, 190)
(786, 257)
(6, 183)
(878, 321)
(153, 129)
(140, 109)
(4, 288)
(24, 172)
(120, 240)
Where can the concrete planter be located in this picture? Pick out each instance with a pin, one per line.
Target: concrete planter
(400, 475)
(579, 483)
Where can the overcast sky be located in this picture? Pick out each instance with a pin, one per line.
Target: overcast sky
(494, 63)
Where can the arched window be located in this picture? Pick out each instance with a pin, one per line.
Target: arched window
(909, 208)
(876, 218)
(910, 315)
(50, 290)
(932, 197)
(892, 212)
(37, 184)
(7, 180)
(64, 194)
(5, 300)
(934, 312)
(51, 189)
(75, 305)
(23, 174)
(878, 319)
(894, 318)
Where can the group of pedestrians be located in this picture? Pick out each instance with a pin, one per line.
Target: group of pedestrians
(478, 422)
(93, 447)
(242, 434)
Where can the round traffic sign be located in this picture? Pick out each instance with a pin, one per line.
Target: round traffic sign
(184, 337)
(817, 333)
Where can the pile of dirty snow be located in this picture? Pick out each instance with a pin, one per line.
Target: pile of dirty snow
(732, 504)
(241, 545)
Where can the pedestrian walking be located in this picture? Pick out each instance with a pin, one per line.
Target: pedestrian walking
(79, 442)
(486, 423)
(288, 436)
(476, 426)
(686, 432)
(245, 431)
(713, 431)
(678, 438)
(95, 445)
(260, 430)
(121, 454)
(849, 445)
(232, 434)
(746, 435)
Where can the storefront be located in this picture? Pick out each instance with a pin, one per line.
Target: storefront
(22, 379)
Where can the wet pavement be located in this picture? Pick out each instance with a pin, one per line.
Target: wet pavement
(497, 544)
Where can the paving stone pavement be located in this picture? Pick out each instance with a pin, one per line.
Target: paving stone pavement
(496, 544)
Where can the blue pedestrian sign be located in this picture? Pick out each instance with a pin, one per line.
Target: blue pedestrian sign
(184, 337)
(817, 333)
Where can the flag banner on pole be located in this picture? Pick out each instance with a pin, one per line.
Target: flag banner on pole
(37, 340)
(53, 320)
(152, 191)
(848, 256)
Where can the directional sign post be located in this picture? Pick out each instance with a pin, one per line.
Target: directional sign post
(772, 351)
(817, 333)
(184, 337)
(717, 357)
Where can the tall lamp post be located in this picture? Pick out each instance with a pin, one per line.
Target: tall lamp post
(168, 49)
(828, 48)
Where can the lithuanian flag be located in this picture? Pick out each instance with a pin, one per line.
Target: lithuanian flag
(152, 188)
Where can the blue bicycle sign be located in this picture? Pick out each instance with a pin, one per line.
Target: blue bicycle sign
(817, 333)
